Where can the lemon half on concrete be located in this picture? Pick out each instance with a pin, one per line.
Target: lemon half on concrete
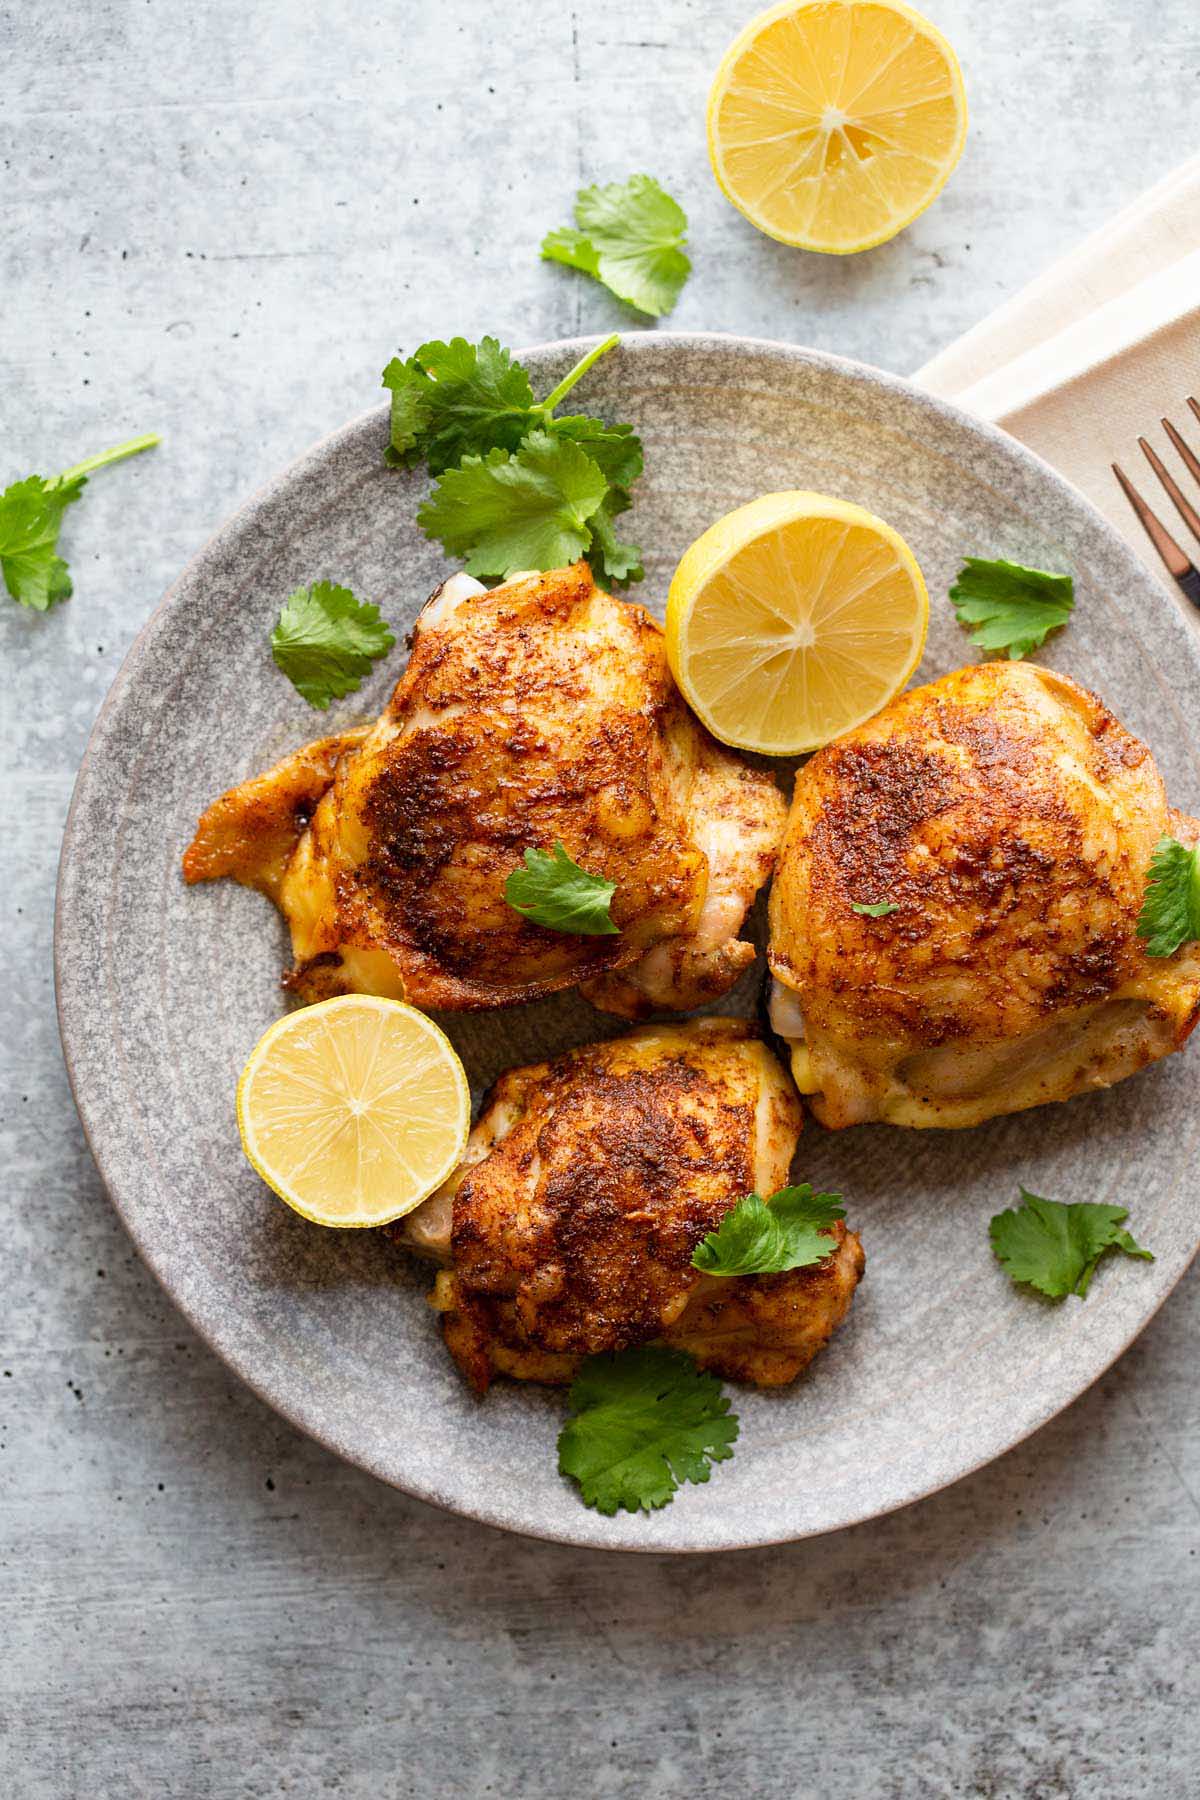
(833, 123)
(353, 1110)
(792, 620)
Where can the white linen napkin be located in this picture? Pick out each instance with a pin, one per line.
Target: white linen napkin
(1094, 353)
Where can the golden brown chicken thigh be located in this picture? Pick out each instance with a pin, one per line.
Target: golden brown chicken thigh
(542, 711)
(1008, 820)
(585, 1189)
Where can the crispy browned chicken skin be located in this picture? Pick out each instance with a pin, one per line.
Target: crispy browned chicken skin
(587, 1185)
(542, 711)
(1009, 818)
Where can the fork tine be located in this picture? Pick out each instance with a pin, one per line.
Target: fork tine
(1194, 404)
(1187, 455)
(1183, 507)
(1174, 559)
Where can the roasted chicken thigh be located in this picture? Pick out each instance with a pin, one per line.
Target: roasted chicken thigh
(540, 712)
(1006, 820)
(586, 1186)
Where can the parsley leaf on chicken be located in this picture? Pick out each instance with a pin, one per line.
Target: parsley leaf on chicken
(629, 236)
(1170, 915)
(325, 641)
(1005, 606)
(31, 516)
(644, 1421)
(553, 891)
(1055, 1247)
(790, 1230)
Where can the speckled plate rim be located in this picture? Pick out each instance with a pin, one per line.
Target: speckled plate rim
(1106, 553)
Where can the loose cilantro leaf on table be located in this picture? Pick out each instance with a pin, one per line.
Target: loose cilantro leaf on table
(31, 516)
(876, 909)
(765, 1237)
(629, 236)
(1170, 914)
(1010, 607)
(519, 487)
(1055, 1248)
(325, 641)
(552, 890)
(644, 1421)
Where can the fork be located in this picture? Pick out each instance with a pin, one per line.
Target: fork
(1175, 559)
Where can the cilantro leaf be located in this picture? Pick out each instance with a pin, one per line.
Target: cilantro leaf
(1055, 1248)
(31, 516)
(458, 399)
(610, 559)
(325, 641)
(644, 1421)
(552, 890)
(630, 236)
(1170, 914)
(877, 909)
(507, 498)
(527, 510)
(767, 1237)
(1011, 607)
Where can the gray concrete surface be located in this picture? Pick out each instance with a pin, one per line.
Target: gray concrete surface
(217, 220)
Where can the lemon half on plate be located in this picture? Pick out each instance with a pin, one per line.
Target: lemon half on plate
(792, 620)
(833, 123)
(354, 1110)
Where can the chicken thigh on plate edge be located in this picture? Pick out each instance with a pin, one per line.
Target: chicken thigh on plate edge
(542, 711)
(1004, 820)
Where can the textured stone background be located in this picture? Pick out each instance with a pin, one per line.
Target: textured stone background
(217, 220)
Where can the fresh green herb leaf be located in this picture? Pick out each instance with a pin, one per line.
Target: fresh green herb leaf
(630, 236)
(644, 1421)
(458, 399)
(1010, 607)
(326, 641)
(552, 890)
(1170, 914)
(878, 909)
(611, 560)
(766, 1237)
(457, 405)
(527, 510)
(1055, 1248)
(31, 516)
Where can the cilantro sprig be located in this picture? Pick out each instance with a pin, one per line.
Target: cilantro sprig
(790, 1230)
(554, 891)
(874, 909)
(1005, 606)
(325, 641)
(1055, 1247)
(629, 236)
(643, 1421)
(31, 517)
(1170, 915)
(518, 486)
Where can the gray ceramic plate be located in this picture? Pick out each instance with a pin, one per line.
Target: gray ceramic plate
(163, 991)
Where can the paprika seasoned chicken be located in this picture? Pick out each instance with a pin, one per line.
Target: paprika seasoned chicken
(541, 712)
(586, 1186)
(1007, 821)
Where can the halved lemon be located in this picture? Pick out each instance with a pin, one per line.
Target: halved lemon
(833, 123)
(792, 620)
(354, 1110)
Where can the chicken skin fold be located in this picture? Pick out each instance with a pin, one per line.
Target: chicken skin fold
(540, 712)
(1008, 820)
(586, 1186)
